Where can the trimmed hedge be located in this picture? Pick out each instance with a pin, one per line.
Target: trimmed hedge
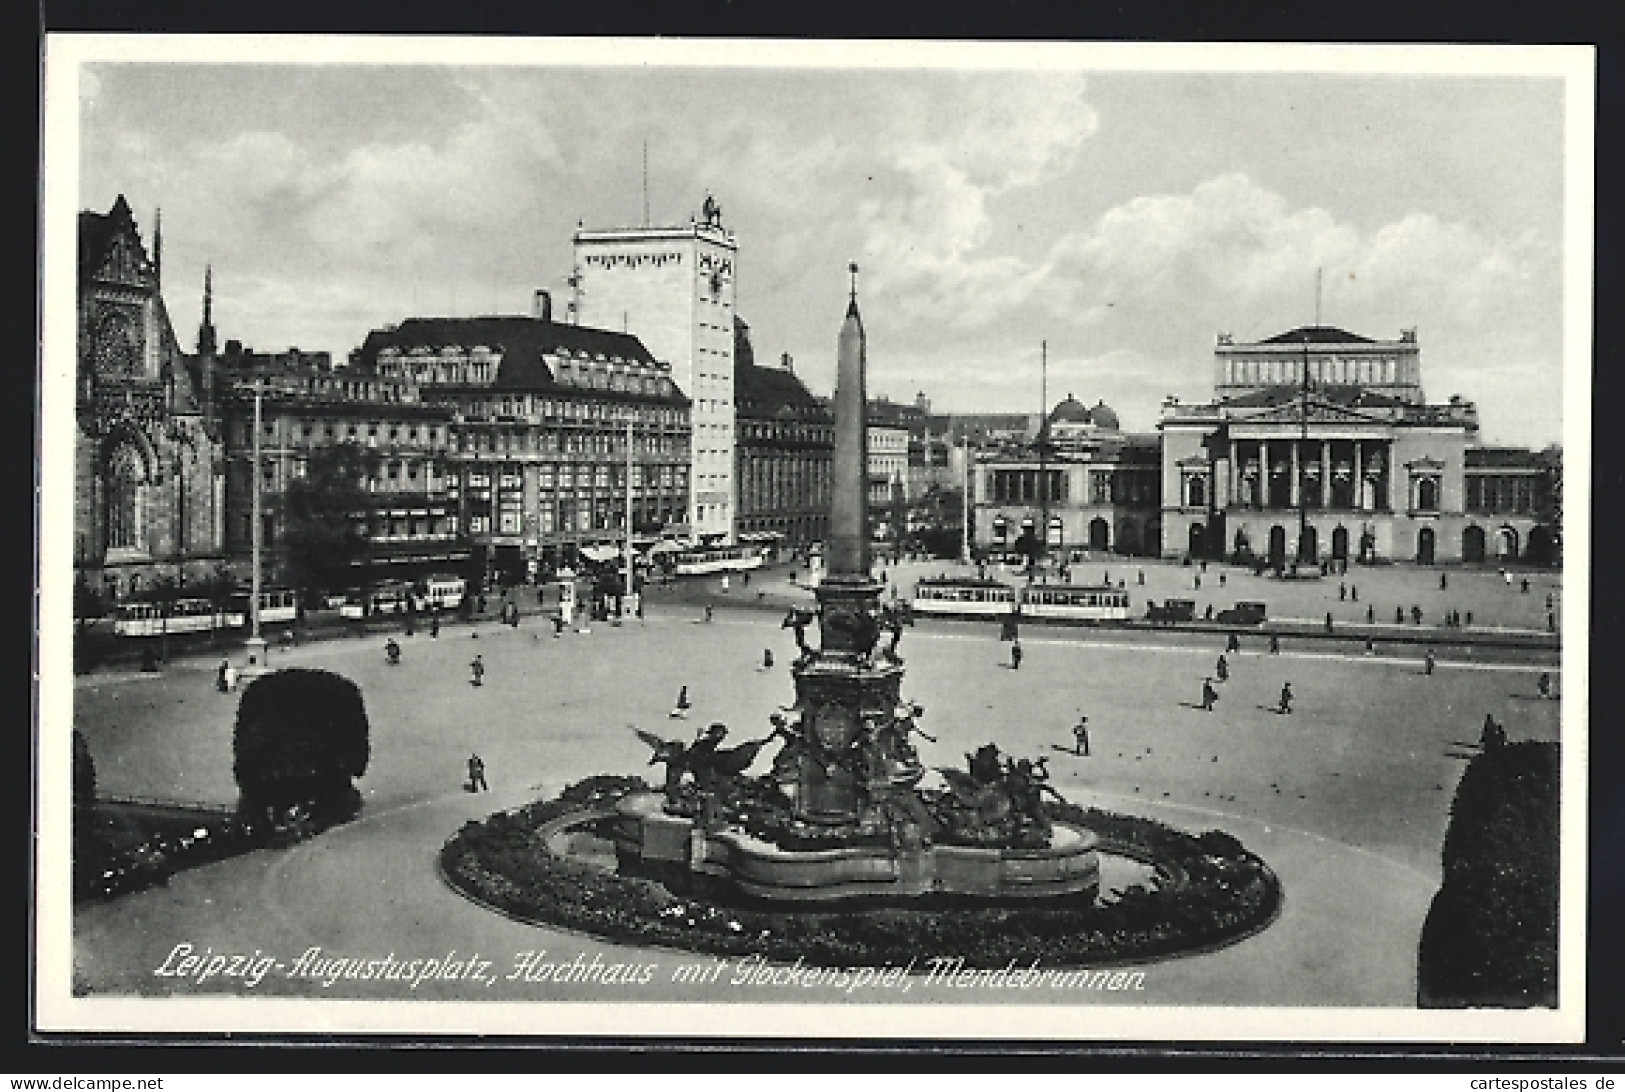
(301, 739)
(1219, 897)
(1490, 938)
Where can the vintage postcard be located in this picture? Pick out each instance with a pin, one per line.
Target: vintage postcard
(822, 539)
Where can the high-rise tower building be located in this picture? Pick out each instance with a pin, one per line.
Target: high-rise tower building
(673, 288)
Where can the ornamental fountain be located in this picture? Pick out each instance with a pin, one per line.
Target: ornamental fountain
(842, 815)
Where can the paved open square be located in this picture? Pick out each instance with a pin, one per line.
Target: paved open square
(1347, 797)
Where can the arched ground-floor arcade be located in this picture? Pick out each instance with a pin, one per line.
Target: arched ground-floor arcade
(1281, 537)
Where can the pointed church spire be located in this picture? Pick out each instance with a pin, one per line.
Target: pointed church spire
(158, 245)
(205, 330)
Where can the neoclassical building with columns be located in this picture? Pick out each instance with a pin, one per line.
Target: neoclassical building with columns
(1320, 445)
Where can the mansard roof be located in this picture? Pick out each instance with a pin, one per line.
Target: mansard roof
(760, 391)
(522, 342)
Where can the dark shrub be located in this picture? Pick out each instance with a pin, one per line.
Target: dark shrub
(301, 737)
(1490, 938)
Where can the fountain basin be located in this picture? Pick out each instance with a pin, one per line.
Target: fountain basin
(646, 838)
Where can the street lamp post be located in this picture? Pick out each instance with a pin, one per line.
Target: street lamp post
(256, 643)
(965, 506)
(626, 548)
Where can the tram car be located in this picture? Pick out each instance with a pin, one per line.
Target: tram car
(1075, 603)
(702, 560)
(963, 596)
(146, 619)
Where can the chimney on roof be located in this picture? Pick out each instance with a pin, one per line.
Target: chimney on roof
(787, 362)
(542, 305)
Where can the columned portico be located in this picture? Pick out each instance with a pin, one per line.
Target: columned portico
(1331, 452)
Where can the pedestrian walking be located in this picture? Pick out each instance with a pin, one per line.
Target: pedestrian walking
(1197, 579)
(1328, 621)
(1524, 586)
(220, 675)
(1142, 578)
(708, 612)
(1275, 645)
(1416, 615)
(1080, 737)
(1399, 616)
(1285, 705)
(392, 653)
(1428, 662)
(767, 659)
(476, 774)
(1221, 670)
(1342, 592)
(1209, 695)
(1551, 622)
(1232, 644)
(1207, 613)
(1444, 581)
(231, 677)
(1221, 580)
(1548, 600)
(476, 672)
(1370, 647)
(680, 710)
(1545, 684)
(434, 624)
(1370, 615)
(1354, 589)
(1015, 654)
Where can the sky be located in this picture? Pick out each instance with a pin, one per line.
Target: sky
(1112, 221)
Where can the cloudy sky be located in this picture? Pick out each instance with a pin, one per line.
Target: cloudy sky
(1124, 217)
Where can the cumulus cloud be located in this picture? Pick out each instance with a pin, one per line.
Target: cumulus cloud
(1135, 297)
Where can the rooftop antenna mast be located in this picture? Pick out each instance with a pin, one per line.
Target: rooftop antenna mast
(1317, 295)
(1043, 449)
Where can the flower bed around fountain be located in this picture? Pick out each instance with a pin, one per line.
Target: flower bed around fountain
(1209, 891)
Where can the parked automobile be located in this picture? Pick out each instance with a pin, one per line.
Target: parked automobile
(1243, 614)
(1170, 611)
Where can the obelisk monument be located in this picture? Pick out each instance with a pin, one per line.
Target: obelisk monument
(841, 689)
(849, 507)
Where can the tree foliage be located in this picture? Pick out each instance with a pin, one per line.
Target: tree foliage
(301, 739)
(1490, 937)
(323, 527)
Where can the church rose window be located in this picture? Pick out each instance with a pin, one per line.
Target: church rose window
(115, 346)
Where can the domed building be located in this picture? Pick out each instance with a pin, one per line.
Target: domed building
(1071, 422)
(1092, 486)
